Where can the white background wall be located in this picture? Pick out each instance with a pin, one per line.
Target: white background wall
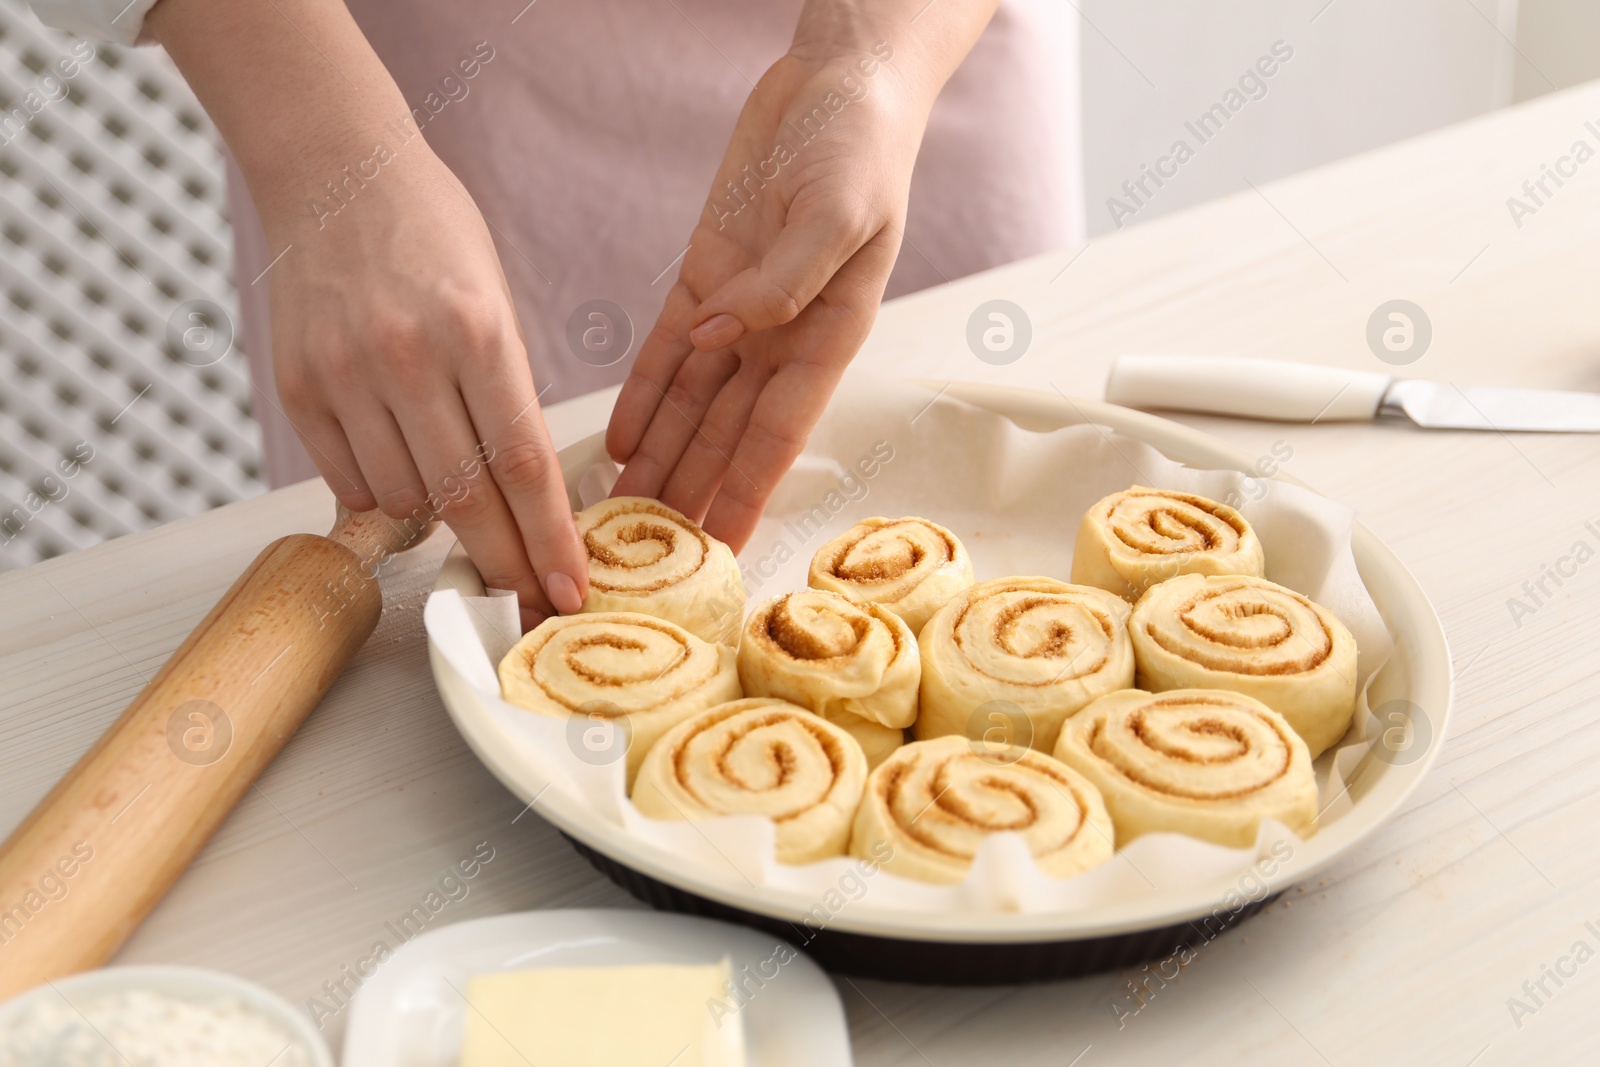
(1559, 44)
(1364, 73)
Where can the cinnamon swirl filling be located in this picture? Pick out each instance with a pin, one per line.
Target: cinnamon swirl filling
(1203, 762)
(1200, 746)
(646, 557)
(1251, 636)
(759, 757)
(618, 665)
(1139, 537)
(936, 801)
(910, 566)
(1042, 646)
(1244, 628)
(1151, 522)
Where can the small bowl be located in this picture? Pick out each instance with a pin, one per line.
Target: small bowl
(194, 984)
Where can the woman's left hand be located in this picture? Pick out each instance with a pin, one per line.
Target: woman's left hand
(778, 289)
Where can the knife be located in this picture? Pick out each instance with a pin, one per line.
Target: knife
(1304, 392)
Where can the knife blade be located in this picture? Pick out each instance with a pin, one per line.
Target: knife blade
(1303, 392)
(1439, 406)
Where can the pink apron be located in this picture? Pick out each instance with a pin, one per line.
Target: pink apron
(588, 132)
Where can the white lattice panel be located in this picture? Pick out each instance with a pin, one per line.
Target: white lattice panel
(112, 218)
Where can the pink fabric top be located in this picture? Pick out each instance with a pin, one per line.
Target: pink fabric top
(588, 134)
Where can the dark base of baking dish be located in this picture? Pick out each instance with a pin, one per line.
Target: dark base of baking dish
(936, 962)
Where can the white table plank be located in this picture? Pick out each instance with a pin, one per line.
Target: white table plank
(1406, 952)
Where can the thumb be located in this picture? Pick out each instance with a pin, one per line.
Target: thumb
(808, 252)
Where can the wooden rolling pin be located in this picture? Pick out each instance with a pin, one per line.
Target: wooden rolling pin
(98, 853)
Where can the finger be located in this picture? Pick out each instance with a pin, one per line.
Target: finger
(807, 253)
(522, 460)
(665, 348)
(385, 459)
(463, 493)
(789, 406)
(706, 461)
(319, 431)
(676, 422)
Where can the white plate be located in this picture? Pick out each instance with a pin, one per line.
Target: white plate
(1418, 671)
(194, 984)
(411, 1013)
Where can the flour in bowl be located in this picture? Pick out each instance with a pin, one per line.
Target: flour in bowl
(141, 1028)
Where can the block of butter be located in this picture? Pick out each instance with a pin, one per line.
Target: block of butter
(655, 1014)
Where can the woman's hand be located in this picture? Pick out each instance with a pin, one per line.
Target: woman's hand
(779, 287)
(786, 268)
(401, 365)
(397, 351)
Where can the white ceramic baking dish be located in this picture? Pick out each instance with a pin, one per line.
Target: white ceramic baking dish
(976, 948)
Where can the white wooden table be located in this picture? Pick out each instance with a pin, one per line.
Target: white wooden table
(1406, 953)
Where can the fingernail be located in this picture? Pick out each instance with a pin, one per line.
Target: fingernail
(563, 593)
(719, 331)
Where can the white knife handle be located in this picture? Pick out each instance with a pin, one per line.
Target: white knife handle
(1251, 388)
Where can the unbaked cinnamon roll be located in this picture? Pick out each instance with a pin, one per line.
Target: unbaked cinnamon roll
(910, 566)
(1253, 637)
(1032, 650)
(620, 670)
(759, 757)
(854, 664)
(1203, 762)
(1139, 537)
(933, 803)
(646, 557)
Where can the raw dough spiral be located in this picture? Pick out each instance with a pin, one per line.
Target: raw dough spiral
(1029, 650)
(854, 664)
(646, 557)
(1253, 637)
(759, 757)
(1202, 762)
(1139, 537)
(910, 566)
(933, 803)
(619, 665)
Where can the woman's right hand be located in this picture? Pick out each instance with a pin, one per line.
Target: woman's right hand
(400, 363)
